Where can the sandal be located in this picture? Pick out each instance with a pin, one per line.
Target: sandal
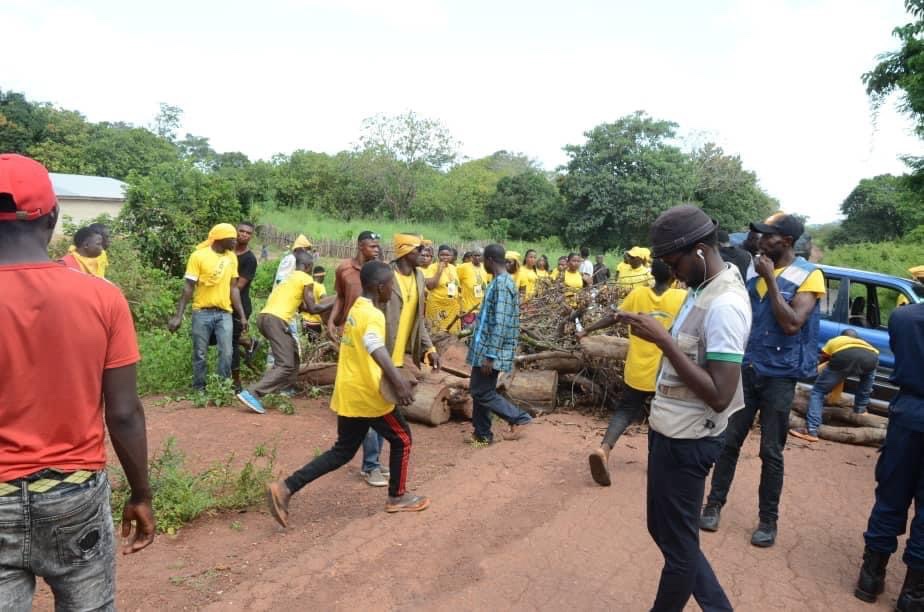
(598, 467)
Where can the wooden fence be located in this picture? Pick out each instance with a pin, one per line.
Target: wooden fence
(340, 249)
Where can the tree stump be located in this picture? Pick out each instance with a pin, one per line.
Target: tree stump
(534, 391)
(605, 348)
(863, 436)
(430, 406)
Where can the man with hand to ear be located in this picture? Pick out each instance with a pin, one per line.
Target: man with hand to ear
(697, 390)
(782, 348)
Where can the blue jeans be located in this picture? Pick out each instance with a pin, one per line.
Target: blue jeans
(486, 400)
(899, 481)
(206, 322)
(372, 448)
(64, 536)
(824, 384)
(772, 397)
(677, 470)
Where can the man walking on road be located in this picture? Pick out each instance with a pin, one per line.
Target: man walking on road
(782, 348)
(494, 345)
(68, 359)
(246, 271)
(362, 366)
(211, 282)
(698, 390)
(900, 471)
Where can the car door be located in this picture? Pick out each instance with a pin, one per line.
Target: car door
(868, 314)
(833, 307)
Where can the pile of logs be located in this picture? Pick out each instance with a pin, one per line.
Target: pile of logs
(839, 422)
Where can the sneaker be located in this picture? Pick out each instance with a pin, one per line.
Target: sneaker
(709, 521)
(385, 472)
(251, 401)
(375, 478)
(765, 534)
(407, 503)
(804, 434)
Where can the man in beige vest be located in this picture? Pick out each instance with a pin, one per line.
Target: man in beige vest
(698, 388)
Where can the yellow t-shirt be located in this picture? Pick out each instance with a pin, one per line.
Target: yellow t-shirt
(430, 271)
(528, 280)
(95, 266)
(574, 280)
(632, 277)
(842, 343)
(644, 358)
(356, 389)
(554, 274)
(407, 285)
(472, 283)
(287, 296)
(543, 274)
(213, 273)
(319, 292)
(815, 283)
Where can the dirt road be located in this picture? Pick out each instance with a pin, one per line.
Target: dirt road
(515, 526)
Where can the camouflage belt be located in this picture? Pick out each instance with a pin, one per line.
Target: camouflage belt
(49, 480)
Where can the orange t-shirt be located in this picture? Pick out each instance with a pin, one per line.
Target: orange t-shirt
(61, 329)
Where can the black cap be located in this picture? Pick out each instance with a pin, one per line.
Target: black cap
(784, 225)
(679, 227)
(368, 235)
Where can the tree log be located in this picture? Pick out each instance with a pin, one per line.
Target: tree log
(863, 436)
(563, 363)
(880, 407)
(605, 348)
(430, 405)
(587, 385)
(533, 390)
(318, 374)
(442, 377)
(461, 405)
(841, 414)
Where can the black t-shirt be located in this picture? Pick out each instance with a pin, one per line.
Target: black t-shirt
(737, 256)
(247, 268)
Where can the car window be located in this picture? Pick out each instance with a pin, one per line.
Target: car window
(889, 300)
(828, 302)
(861, 312)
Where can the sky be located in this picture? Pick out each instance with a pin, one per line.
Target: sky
(774, 81)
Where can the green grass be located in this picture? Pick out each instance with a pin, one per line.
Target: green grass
(181, 495)
(886, 257)
(316, 226)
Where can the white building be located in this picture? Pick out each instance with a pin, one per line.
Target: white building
(83, 198)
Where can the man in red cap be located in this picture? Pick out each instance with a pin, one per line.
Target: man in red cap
(54, 492)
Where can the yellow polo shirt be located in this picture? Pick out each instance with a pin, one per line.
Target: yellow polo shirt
(842, 343)
(472, 283)
(319, 291)
(213, 273)
(287, 296)
(644, 358)
(356, 390)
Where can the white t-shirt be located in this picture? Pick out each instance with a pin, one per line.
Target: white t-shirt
(587, 267)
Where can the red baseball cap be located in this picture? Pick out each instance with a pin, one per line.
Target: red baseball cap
(27, 183)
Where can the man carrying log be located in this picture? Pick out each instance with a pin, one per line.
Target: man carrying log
(844, 355)
(642, 361)
(359, 404)
(288, 297)
(493, 347)
(698, 390)
(405, 334)
(900, 470)
(782, 349)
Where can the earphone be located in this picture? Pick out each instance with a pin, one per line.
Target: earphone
(699, 253)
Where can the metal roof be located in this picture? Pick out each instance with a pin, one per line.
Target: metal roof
(87, 187)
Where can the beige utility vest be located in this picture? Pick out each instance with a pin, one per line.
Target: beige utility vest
(676, 411)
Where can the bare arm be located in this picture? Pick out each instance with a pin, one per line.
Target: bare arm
(434, 281)
(236, 303)
(312, 307)
(125, 421)
(174, 323)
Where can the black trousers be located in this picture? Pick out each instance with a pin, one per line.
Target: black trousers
(772, 398)
(677, 470)
(630, 408)
(351, 431)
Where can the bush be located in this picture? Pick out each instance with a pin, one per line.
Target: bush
(166, 360)
(181, 495)
(885, 257)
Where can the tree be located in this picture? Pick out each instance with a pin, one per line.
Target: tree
(879, 209)
(530, 202)
(728, 192)
(403, 148)
(198, 151)
(167, 121)
(622, 177)
(170, 210)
